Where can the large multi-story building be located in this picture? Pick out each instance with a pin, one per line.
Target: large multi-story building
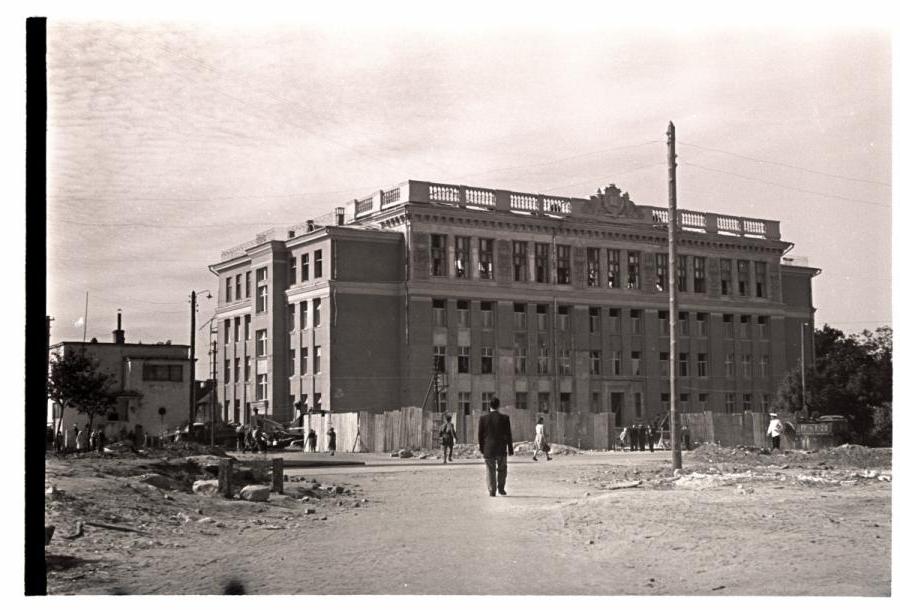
(549, 303)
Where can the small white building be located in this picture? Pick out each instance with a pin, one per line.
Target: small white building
(151, 383)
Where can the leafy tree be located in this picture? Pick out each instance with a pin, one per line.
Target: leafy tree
(74, 381)
(849, 376)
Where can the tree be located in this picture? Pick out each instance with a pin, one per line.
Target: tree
(74, 381)
(849, 376)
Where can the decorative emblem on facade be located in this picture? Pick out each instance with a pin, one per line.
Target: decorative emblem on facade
(613, 201)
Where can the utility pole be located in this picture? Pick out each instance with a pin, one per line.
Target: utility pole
(674, 419)
(47, 367)
(802, 367)
(214, 404)
(192, 407)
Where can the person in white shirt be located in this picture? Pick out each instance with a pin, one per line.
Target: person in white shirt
(776, 428)
(540, 440)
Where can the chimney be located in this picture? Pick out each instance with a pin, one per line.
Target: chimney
(338, 216)
(291, 234)
(119, 334)
(310, 226)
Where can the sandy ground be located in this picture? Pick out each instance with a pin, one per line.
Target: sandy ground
(734, 524)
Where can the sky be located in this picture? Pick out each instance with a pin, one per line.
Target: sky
(169, 142)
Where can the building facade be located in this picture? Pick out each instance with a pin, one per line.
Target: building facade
(548, 303)
(146, 378)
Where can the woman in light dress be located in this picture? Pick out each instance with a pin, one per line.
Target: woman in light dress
(540, 440)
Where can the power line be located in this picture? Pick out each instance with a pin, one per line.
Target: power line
(784, 186)
(797, 167)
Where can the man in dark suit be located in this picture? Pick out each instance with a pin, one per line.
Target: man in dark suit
(495, 441)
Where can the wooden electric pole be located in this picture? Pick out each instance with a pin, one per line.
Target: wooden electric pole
(214, 399)
(674, 419)
(192, 406)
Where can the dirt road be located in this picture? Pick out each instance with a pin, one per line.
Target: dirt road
(426, 528)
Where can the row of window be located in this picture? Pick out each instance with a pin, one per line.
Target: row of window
(617, 402)
(163, 372)
(614, 319)
(304, 267)
(262, 279)
(541, 366)
(608, 273)
(305, 352)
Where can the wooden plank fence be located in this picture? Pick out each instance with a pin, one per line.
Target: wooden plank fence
(732, 429)
(414, 428)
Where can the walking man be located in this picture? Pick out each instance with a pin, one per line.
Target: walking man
(495, 442)
(776, 428)
(332, 439)
(448, 436)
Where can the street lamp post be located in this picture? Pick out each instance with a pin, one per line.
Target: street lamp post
(192, 406)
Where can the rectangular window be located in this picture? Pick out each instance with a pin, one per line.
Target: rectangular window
(262, 387)
(304, 360)
(317, 401)
(683, 400)
(565, 402)
(662, 272)
(237, 287)
(562, 318)
(520, 261)
(565, 362)
(683, 367)
(763, 322)
(638, 405)
(304, 314)
(702, 324)
(702, 399)
(765, 403)
(262, 298)
(317, 359)
(541, 263)
(292, 270)
(262, 343)
(486, 398)
(487, 360)
(317, 263)
(613, 271)
(228, 290)
(465, 402)
(487, 314)
(462, 314)
(684, 323)
(663, 323)
(226, 371)
(764, 366)
(247, 290)
(520, 318)
(293, 362)
(729, 364)
(616, 403)
(633, 270)
(682, 273)
(702, 367)
(438, 255)
(163, 372)
(462, 253)
(596, 406)
(743, 273)
(521, 358)
(541, 317)
(227, 332)
(292, 317)
(664, 401)
(486, 259)
(594, 272)
(544, 402)
(636, 326)
(304, 267)
(438, 312)
(440, 359)
(747, 365)
(543, 359)
(317, 312)
(615, 320)
(760, 268)
(726, 273)
(247, 370)
(594, 315)
(237, 370)
(563, 264)
(462, 359)
(744, 328)
(748, 402)
(699, 274)
(636, 364)
(522, 400)
(237, 329)
(728, 322)
(596, 362)
(663, 364)
(616, 362)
